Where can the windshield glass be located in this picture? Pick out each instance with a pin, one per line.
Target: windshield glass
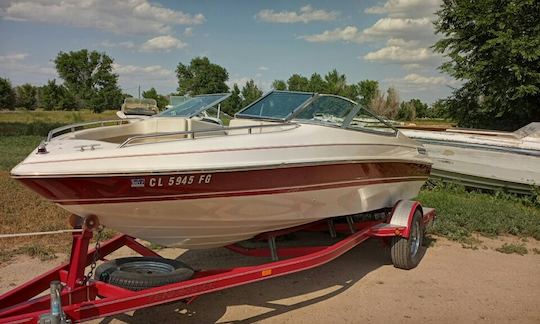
(327, 109)
(276, 105)
(194, 106)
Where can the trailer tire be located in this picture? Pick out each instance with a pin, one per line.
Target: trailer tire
(406, 253)
(138, 273)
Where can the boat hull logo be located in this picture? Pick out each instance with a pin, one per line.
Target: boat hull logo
(137, 183)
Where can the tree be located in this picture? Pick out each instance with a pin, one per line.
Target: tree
(51, 95)
(7, 94)
(200, 77)
(279, 85)
(493, 48)
(336, 83)
(298, 82)
(250, 93)
(26, 95)
(317, 84)
(89, 78)
(387, 107)
(68, 101)
(234, 102)
(420, 108)
(407, 111)
(367, 90)
(161, 100)
(438, 109)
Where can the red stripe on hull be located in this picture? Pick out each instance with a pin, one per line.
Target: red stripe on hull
(108, 189)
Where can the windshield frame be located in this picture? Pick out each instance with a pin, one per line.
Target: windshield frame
(286, 118)
(223, 97)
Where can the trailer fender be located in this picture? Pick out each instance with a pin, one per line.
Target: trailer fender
(403, 214)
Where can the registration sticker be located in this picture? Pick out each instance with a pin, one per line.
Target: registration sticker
(137, 183)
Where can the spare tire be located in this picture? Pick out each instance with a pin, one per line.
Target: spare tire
(138, 273)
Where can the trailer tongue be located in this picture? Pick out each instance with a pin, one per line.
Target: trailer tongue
(77, 297)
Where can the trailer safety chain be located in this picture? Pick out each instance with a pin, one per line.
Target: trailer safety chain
(87, 278)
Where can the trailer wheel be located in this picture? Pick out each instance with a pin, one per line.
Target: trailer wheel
(406, 252)
(138, 273)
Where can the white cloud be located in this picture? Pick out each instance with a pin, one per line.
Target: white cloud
(408, 28)
(132, 76)
(409, 53)
(346, 34)
(188, 31)
(162, 43)
(401, 28)
(426, 80)
(419, 84)
(11, 58)
(305, 15)
(263, 68)
(406, 8)
(14, 67)
(126, 17)
(127, 44)
(398, 54)
(148, 72)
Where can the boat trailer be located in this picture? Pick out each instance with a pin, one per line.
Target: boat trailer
(75, 297)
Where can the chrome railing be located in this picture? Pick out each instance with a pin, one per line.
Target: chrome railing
(74, 127)
(194, 133)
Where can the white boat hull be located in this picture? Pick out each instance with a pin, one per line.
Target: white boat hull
(484, 168)
(213, 222)
(214, 191)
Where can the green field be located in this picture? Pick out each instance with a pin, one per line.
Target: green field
(14, 123)
(460, 213)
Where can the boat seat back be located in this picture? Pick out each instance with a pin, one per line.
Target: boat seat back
(118, 134)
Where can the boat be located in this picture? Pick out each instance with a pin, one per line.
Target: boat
(140, 108)
(485, 159)
(176, 179)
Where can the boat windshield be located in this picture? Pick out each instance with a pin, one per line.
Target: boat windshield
(276, 105)
(323, 109)
(194, 106)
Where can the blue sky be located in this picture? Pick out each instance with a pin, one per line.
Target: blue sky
(386, 41)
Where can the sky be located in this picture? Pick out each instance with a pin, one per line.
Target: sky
(388, 41)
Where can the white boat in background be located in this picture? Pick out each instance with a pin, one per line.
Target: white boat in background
(179, 179)
(485, 159)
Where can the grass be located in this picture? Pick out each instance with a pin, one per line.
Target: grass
(516, 248)
(57, 116)
(21, 122)
(13, 149)
(462, 213)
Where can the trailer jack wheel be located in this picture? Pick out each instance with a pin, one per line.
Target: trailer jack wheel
(406, 253)
(138, 273)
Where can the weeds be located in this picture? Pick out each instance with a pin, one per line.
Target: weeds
(470, 243)
(13, 149)
(39, 123)
(461, 213)
(155, 247)
(37, 251)
(509, 248)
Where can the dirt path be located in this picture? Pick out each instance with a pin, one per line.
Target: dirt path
(451, 284)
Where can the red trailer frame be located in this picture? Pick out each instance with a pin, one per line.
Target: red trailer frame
(94, 299)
